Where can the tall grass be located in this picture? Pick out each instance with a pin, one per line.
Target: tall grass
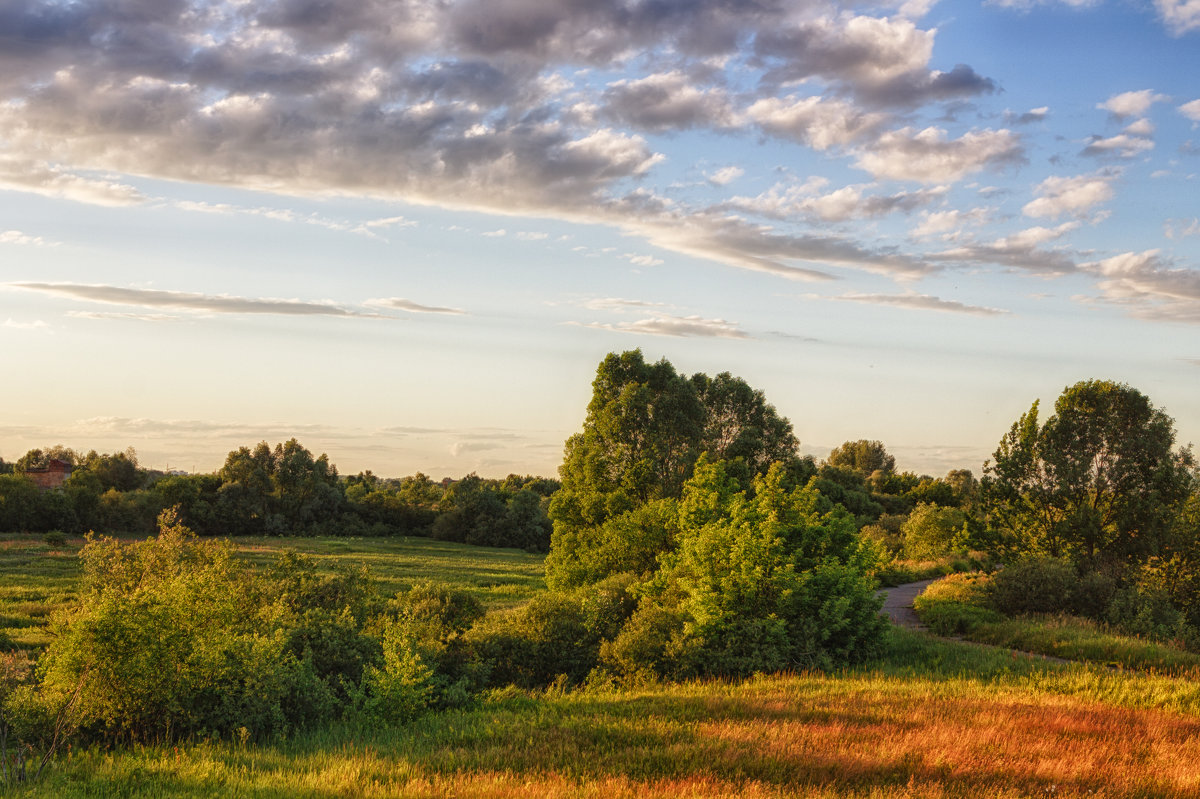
(1025, 728)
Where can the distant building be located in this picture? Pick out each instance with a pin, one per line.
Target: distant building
(52, 476)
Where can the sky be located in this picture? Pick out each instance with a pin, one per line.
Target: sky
(405, 232)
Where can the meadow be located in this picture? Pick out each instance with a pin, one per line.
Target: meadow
(927, 718)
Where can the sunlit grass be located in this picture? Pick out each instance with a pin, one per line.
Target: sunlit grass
(1018, 728)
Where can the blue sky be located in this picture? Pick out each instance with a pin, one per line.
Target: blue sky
(406, 232)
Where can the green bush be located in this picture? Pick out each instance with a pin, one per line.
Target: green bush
(1146, 611)
(933, 532)
(1035, 585)
(55, 539)
(956, 604)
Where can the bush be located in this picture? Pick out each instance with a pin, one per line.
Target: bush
(55, 539)
(1146, 611)
(957, 604)
(1035, 585)
(933, 532)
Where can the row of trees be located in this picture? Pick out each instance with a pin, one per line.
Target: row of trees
(280, 490)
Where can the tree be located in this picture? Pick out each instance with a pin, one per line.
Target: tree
(646, 427)
(863, 456)
(1100, 479)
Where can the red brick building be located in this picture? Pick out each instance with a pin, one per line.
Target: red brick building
(53, 476)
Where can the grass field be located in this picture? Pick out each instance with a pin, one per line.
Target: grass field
(929, 718)
(36, 579)
(933, 719)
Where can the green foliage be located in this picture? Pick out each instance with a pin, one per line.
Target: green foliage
(956, 604)
(55, 539)
(754, 584)
(932, 532)
(1035, 585)
(862, 456)
(628, 543)
(1099, 480)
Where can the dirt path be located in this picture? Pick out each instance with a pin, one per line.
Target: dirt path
(898, 606)
(898, 603)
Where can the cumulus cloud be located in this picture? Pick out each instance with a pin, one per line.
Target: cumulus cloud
(928, 156)
(1120, 146)
(677, 326)
(1027, 118)
(1191, 110)
(923, 302)
(947, 223)
(815, 121)
(1180, 16)
(1149, 285)
(1062, 195)
(1022, 250)
(667, 101)
(725, 175)
(187, 301)
(839, 205)
(401, 304)
(1131, 104)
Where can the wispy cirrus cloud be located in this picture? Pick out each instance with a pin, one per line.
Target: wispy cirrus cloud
(923, 302)
(189, 301)
(676, 326)
(402, 304)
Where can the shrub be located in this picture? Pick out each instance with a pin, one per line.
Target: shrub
(1035, 585)
(956, 604)
(56, 539)
(932, 532)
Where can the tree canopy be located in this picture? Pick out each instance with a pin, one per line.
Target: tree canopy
(1100, 478)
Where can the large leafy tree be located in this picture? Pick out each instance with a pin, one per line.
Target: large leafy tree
(1099, 479)
(646, 426)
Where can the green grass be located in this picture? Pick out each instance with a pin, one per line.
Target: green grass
(957, 605)
(36, 580)
(930, 718)
(899, 572)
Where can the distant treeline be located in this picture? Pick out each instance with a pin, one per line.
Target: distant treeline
(282, 490)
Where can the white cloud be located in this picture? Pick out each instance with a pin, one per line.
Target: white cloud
(530, 235)
(1150, 286)
(1181, 228)
(187, 301)
(1062, 195)
(644, 260)
(23, 174)
(923, 302)
(785, 201)
(129, 317)
(815, 121)
(677, 326)
(1180, 16)
(1121, 146)
(667, 101)
(1131, 104)
(619, 304)
(401, 304)
(17, 237)
(725, 175)
(928, 156)
(1191, 110)
(934, 223)
(495, 234)
(1140, 127)
(15, 325)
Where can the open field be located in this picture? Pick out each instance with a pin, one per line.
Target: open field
(36, 579)
(914, 725)
(928, 718)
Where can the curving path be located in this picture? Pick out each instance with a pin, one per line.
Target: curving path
(898, 603)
